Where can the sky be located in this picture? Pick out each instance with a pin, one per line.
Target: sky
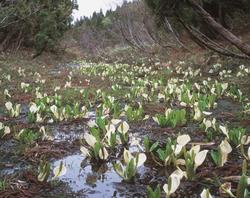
(87, 7)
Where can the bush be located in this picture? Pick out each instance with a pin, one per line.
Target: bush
(39, 24)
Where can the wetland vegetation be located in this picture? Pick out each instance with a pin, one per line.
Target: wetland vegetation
(130, 119)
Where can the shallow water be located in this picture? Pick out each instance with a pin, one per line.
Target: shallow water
(68, 133)
(100, 180)
(95, 181)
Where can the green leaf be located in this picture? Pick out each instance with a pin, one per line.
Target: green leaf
(216, 157)
(162, 154)
(96, 133)
(101, 123)
(146, 144)
(154, 194)
(150, 192)
(44, 170)
(130, 170)
(97, 148)
(68, 110)
(118, 169)
(242, 186)
(154, 146)
(113, 140)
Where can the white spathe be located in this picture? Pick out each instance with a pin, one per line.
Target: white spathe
(90, 139)
(141, 159)
(175, 182)
(123, 127)
(206, 194)
(103, 153)
(59, 170)
(8, 106)
(200, 158)
(183, 139)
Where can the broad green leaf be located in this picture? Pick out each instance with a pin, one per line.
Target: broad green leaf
(215, 156)
(242, 188)
(97, 148)
(162, 154)
(146, 144)
(130, 169)
(44, 170)
(118, 169)
(154, 146)
(154, 194)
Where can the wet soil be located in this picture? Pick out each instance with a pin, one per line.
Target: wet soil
(85, 179)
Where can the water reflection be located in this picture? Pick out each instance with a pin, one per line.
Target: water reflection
(97, 180)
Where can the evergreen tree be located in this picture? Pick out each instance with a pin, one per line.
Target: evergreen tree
(37, 23)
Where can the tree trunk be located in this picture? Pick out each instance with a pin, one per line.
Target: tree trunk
(229, 36)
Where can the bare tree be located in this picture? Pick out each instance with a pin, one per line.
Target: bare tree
(225, 33)
(138, 27)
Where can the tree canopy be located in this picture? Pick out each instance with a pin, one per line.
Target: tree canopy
(206, 19)
(37, 23)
